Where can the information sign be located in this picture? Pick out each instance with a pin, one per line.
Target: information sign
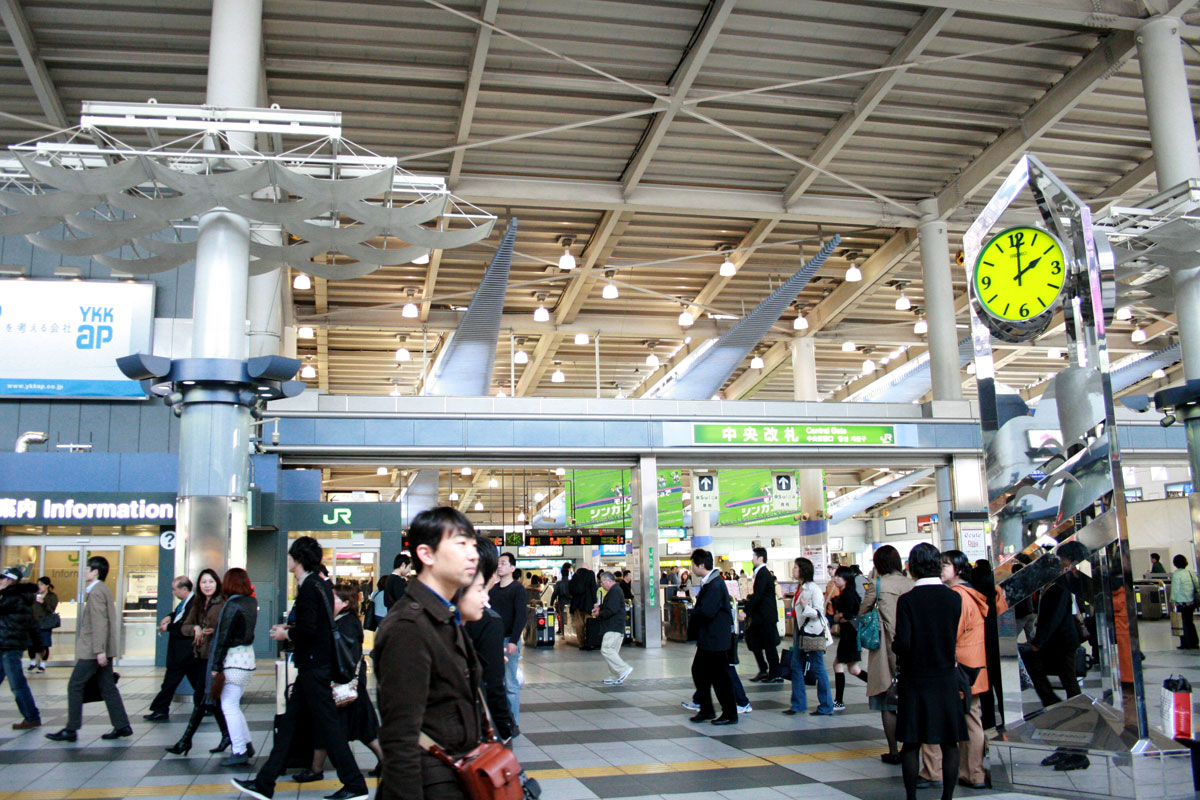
(780, 434)
(706, 493)
(785, 496)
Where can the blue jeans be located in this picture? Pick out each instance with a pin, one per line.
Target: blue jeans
(10, 667)
(799, 690)
(511, 687)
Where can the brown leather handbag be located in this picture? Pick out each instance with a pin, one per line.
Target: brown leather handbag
(489, 772)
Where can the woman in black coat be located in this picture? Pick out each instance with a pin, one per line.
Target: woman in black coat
(930, 708)
(358, 719)
(845, 612)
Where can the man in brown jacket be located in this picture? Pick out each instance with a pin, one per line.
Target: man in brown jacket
(95, 647)
(426, 668)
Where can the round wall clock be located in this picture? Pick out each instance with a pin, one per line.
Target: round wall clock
(1019, 274)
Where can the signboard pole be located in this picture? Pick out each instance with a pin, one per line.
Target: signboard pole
(646, 604)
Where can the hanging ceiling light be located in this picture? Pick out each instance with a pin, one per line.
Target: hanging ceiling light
(1138, 336)
(402, 354)
(581, 338)
(652, 360)
(493, 483)
(1054, 353)
(410, 311)
(466, 472)
(301, 282)
(902, 302)
(757, 362)
(381, 471)
(921, 327)
(566, 261)
(686, 320)
(454, 497)
(520, 357)
(620, 395)
(1159, 373)
(800, 323)
(558, 377)
(1124, 313)
(848, 346)
(609, 292)
(971, 368)
(305, 332)
(521, 516)
(479, 505)
(422, 260)
(395, 392)
(728, 268)
(853, 273)
(560, 472)
(500, 392)
(308, 371)
(868, 367)
(539, 497)
(541, 314)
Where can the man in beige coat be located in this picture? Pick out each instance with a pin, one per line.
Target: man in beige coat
(95, 647)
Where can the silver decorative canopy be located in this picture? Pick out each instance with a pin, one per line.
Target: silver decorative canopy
(346, 212)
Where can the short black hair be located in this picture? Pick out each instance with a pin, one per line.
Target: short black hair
(805, 568)
(887, 561)
(958, 559)
(100, 564)
(761, 552)
(626, 574)
(566, 570)
(401, 560)
(306, 551)
(1180, 562)
(488, 556)
(432, 525)
(516, 573)
(702, 558)
(925, 561)
(1155, 557)
(1074, 551)
(845, 573)
(512, 560)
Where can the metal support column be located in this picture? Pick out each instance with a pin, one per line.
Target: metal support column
(811, 482)
(1173, 137)
(943, 341)
(647, 600)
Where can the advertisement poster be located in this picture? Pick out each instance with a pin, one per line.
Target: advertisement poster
(63, 338)
(604, 497)
(748, 498)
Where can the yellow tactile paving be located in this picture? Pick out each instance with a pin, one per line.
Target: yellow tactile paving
(223, 788)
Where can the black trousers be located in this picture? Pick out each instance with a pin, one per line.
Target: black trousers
(1189, 638)
(85, 668)
(1040, 665)
(710, 673)
(768, 660)
(311, 705)
(177, 670)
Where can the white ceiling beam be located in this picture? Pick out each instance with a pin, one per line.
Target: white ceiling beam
(466, 112)
(925, 31)
(1096, 67)
(717, 283)
(35, 68)
(680, 84)
(685, 200)
(1103, 14)
(612, 224)
(611, 326)
(877, 267)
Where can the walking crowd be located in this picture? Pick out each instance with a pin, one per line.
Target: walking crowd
(448, 625)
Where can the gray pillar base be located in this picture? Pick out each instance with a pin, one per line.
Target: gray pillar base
(1120, 765)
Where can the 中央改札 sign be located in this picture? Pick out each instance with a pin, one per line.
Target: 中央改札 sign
(727, 433)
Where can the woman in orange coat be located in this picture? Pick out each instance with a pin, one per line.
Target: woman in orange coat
(971, 651)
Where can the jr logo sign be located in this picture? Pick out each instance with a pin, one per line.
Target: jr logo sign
(337, 515)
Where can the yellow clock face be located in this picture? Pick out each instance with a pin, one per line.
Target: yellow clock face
(1020, 273)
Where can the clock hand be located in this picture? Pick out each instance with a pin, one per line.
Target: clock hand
(1020, 272)
(1031, 265)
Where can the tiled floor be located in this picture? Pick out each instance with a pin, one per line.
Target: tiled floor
(581, 739)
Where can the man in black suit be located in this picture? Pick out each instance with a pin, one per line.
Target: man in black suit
(711, 625)
(762, 613)
(310, 703)
(179, 652)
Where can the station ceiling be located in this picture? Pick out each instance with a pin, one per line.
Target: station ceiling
(653, 133)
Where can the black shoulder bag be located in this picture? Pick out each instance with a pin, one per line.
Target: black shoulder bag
(343, 666)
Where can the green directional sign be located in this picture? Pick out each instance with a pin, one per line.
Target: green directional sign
(776, 435)
(603, 497)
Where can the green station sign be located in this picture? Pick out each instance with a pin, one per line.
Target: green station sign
(784, 435)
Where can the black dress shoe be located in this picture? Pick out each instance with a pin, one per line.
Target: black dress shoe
(776, 679)
(762, 676)
(790, 713)
(156, 716)
(820, 714)
(348, 794)
(251, 788)
(117, 733)
(65, 735)
(725, 721)
(702, 717)
(890, 758)
(308, 776)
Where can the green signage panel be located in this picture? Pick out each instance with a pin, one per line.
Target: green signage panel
(603, 497)
(737, 433)
(748, 498)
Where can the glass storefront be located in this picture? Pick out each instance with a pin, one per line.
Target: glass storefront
(58, 552)
(351, 556)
